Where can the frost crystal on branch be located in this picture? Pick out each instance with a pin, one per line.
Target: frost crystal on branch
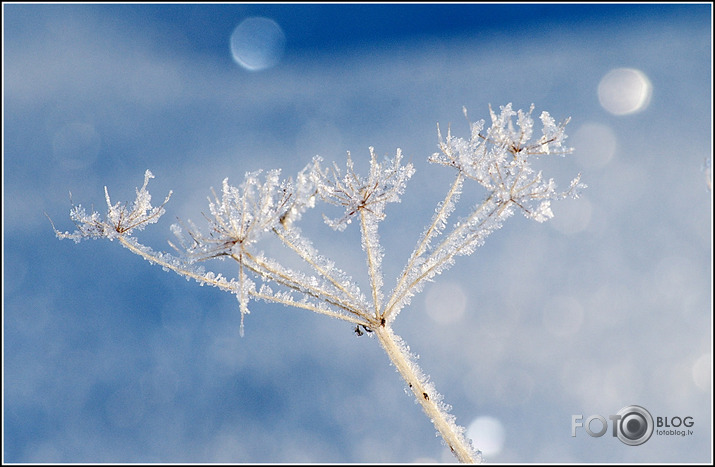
(499, 158)
(241, 216)
(366, 197)
(385, 184)
(119, 220)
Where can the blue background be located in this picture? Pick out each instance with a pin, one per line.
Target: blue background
(110, 359)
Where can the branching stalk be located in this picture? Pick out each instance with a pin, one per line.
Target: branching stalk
(243, 216)
(264, 269)
(444, 246)
(422, 246)
(321, 271)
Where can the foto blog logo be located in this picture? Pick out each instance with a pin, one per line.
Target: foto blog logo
(633, 425)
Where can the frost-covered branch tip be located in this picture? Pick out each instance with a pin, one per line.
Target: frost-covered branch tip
(119, 219)
(385, 183)
(500, 159)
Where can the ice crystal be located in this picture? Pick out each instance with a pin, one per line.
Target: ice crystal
(119, 220)
(500, 160)
(498, 157)
(385, 183)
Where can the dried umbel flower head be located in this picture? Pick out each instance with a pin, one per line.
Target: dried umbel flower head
(119, 220)
(498, 158)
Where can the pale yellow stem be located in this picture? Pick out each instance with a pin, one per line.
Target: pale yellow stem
(456, 442)
(322, 272)
(174, 268)
(372, 268)
(263, 269)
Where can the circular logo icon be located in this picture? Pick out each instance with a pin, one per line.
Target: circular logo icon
(635, 426)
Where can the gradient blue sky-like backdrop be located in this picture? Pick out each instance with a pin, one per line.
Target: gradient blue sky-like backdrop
(110, 359)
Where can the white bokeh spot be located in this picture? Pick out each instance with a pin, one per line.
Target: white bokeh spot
(446, 302)
(702, 372)
(624, 91)
(257, 43)
(572, 216)
(487, 435)
(596, 145)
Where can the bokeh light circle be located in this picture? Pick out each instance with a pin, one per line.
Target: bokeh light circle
(487, 435)
(446, 302)
(257, 43)
(624, 91)
(596, 143)
(702, 372)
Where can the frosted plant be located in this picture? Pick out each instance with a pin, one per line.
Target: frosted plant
(497, 158)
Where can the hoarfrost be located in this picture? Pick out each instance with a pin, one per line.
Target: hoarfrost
(498, 158)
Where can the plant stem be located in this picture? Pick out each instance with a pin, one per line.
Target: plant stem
(165, 264)
(440, 218)
(411, 373)
(373, 261)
